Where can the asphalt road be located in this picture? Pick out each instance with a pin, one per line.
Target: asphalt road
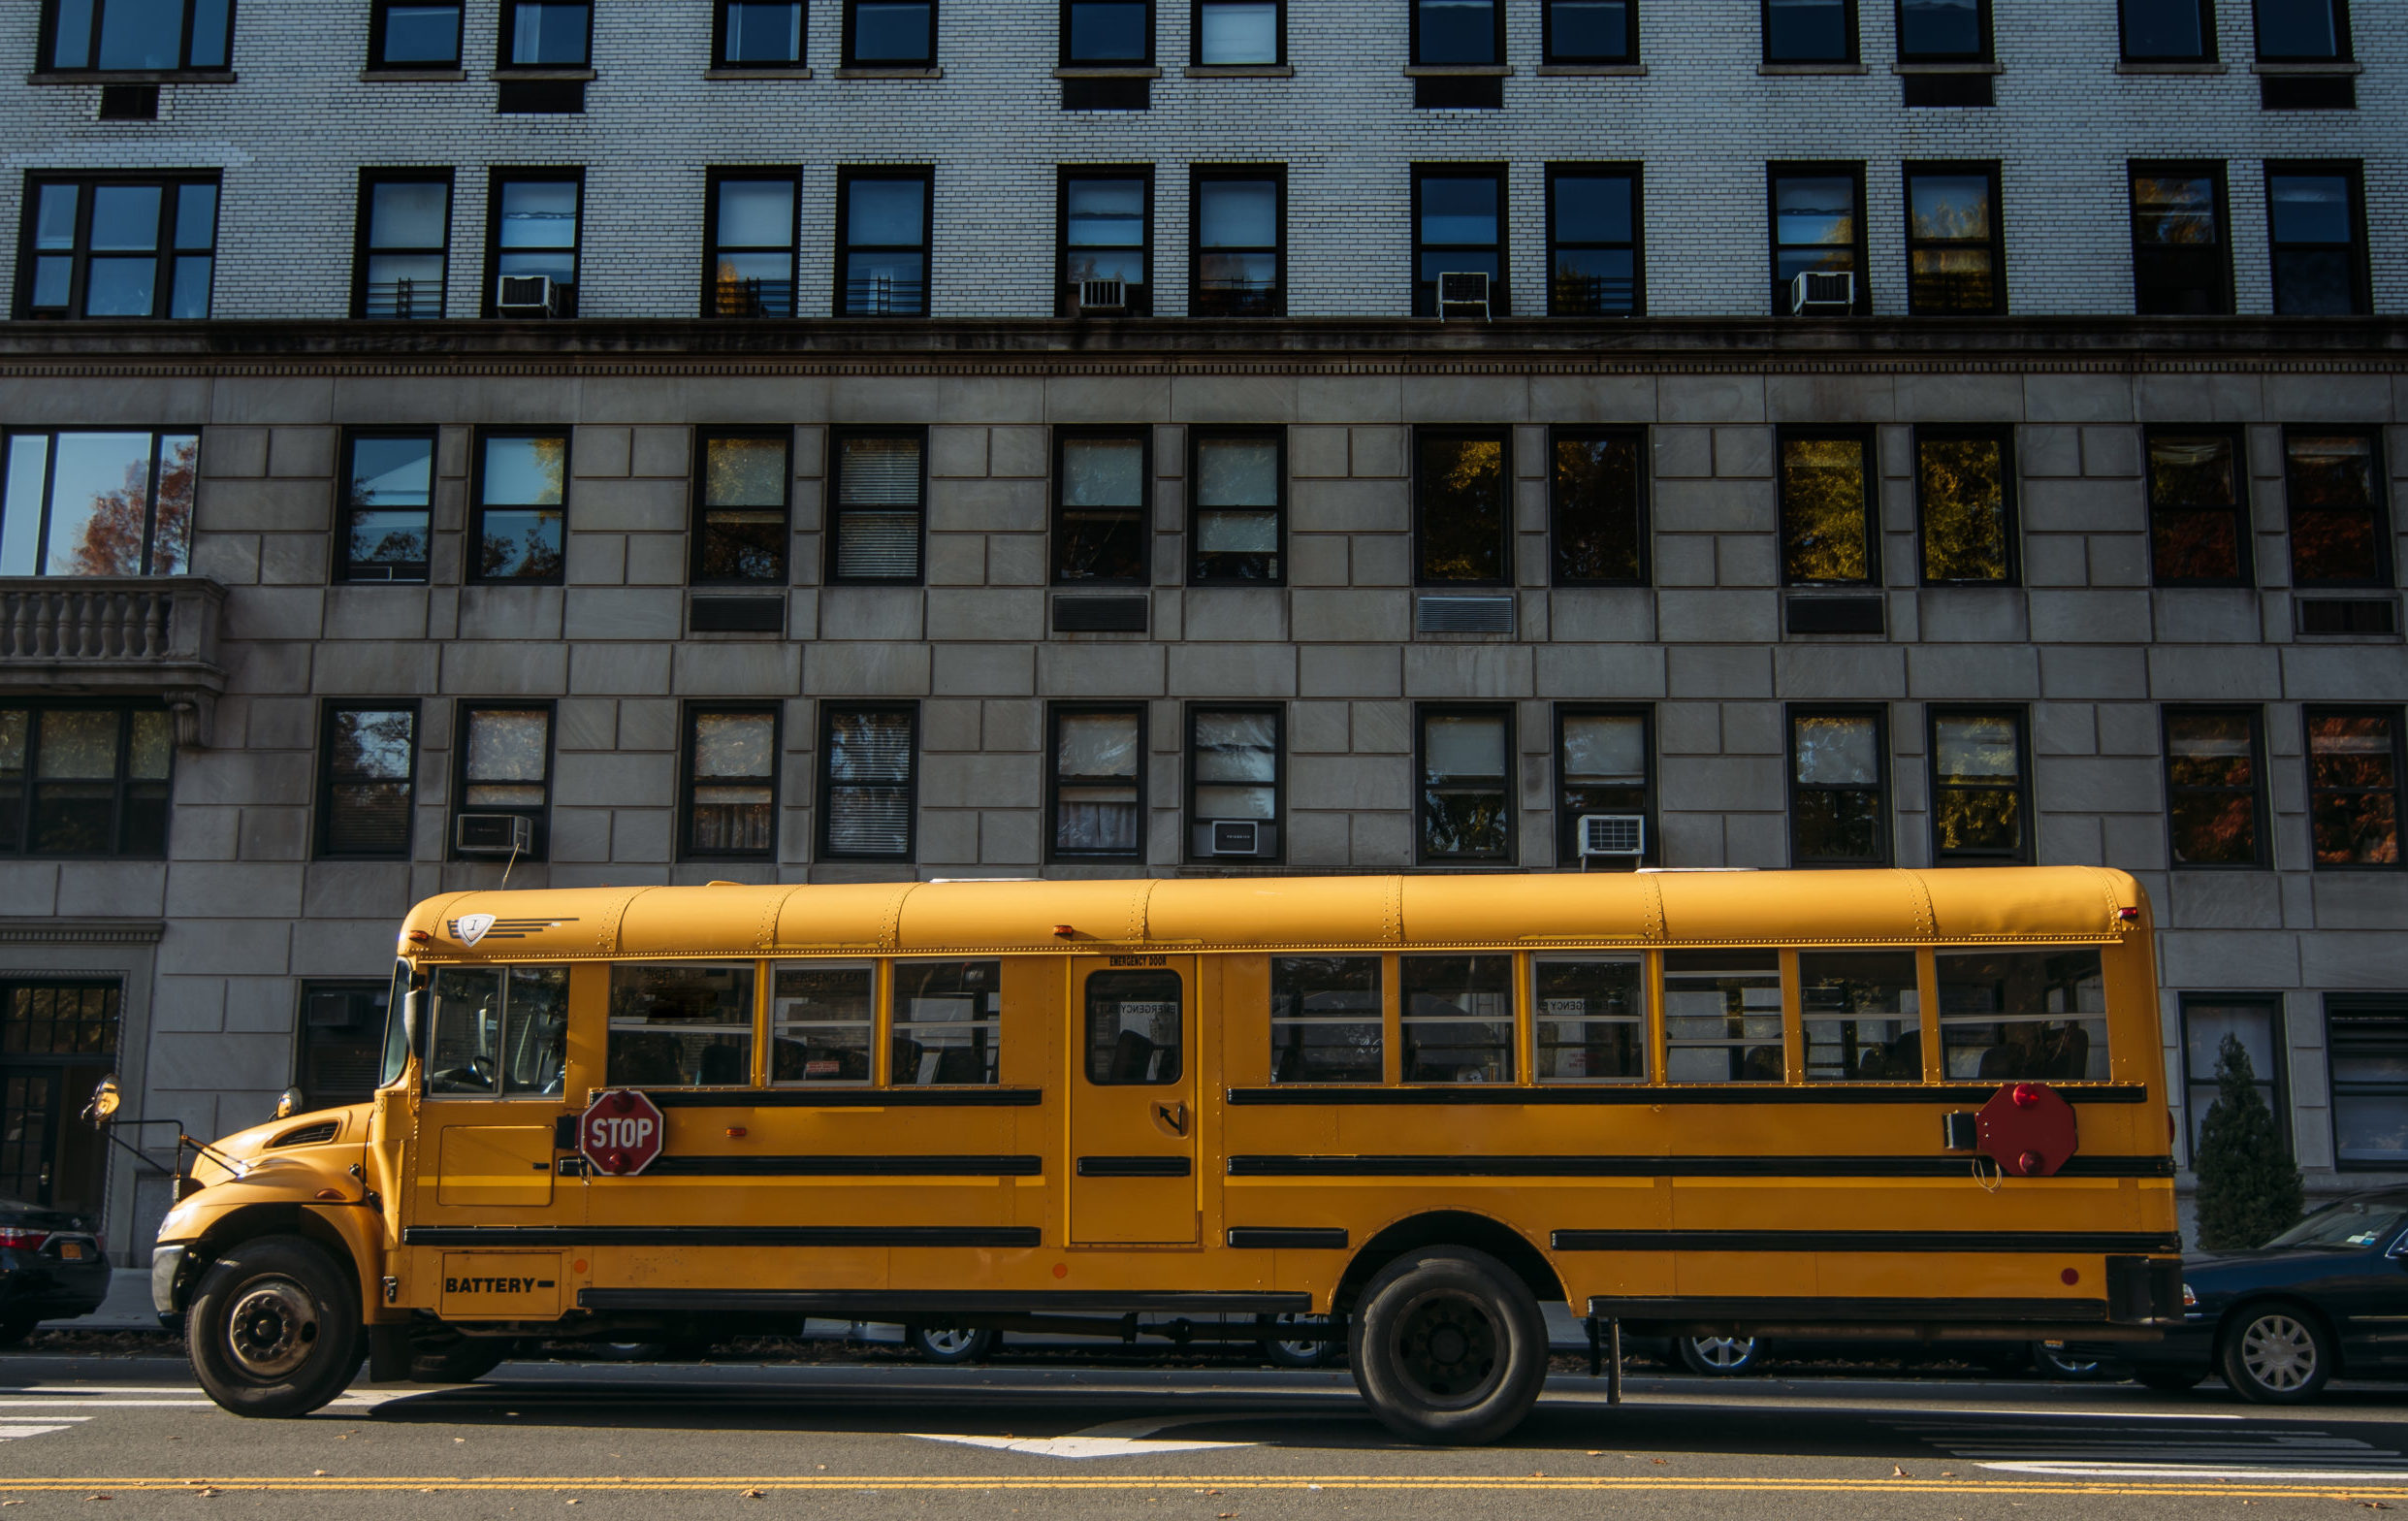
(131, 1436)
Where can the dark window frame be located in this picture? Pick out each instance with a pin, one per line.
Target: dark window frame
(2260, 818)
(1413, 26)
(1500, 302)
(153, 475)
(1142, 299)
(1629, 56)
(852, 60)
(1508, 528)
(374, 994)
(34, 706)
(2276, 1084)
(2010, 516)
(718, 41)
(47, 47)
(689, 715)
(2345, 47)
(2390, 713)
(1966, 169)
(2243, 534)
(2374, 1005)
(832, 511)
(1143, 435)
(1567, 844)
(1056, 713)
(1196, 58)
(2380, 507)
(1191, 816)
(323, 794)
(506, 26)
(471, 556)
(496, 179)
(78, 283)
(1884, 788)
(1635, 432)
(1851, 170)
(2213, 170)
(2017, 714)
(2207, 30)
(379, 12)
(1983, 53)
(345, 567)
(362, 249)
(703, 435)
(826, 783)
(539, 815)
(2353, 171)
(714, 303)
(1508, 783)
(1868, 442)
(1197, 177)
(1636, 174)
(1855, 41)
(1063, 42)
(1199, 433)
(846, 176)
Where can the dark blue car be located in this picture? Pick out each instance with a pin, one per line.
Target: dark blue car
(2326, 1299)
(50, 1269)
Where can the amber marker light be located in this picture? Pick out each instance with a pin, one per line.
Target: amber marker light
(1063, 931)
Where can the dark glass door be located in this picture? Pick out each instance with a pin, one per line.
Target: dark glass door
(57, 1040)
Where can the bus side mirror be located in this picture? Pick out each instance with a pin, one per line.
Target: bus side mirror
(413, 1016)
(289, 1103)
(104, 1105)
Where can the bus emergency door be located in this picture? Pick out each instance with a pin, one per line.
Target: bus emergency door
(1133, 1101)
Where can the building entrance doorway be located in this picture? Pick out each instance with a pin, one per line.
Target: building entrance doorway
(59, 1038)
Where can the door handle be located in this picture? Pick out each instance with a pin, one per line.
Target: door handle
(1171, 1116)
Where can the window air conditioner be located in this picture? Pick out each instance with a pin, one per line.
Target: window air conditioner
(1463, 293)
(1236, 837)
(1824, 293)
(527, 296)
(1103, 296)
(494, 835)
(1612, 834)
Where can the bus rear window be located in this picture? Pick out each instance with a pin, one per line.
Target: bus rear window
(2009, 1015)
(681, 1026)
(1590, 1015)
(819, 1021)
(1325, 1019)
(1864, 1017)
(1458, 1017)
(948, 1022)
(1722, 1016)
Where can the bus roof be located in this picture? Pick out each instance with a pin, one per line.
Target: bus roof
(1967, 905)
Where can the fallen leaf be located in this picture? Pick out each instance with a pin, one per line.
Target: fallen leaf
(11, 1502)
(1895, 1471)
(2365, 1505)
(206, 1492)
(317, 1472)
(1656, 1460)
(100, 1497)
(1595, 1453)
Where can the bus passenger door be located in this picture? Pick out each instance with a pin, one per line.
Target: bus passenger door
(1132, 1102)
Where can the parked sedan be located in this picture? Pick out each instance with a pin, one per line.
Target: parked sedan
(2326, 1298)
(50, 1269)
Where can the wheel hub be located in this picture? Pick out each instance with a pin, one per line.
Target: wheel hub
(2279, 1352)
(271, 1328)
(1447, 1347)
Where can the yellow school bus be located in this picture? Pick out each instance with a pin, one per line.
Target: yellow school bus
(1920, 1102)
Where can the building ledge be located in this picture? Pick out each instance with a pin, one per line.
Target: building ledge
(131, 76)
(2334, 67)
(28, 930)
(932, 72)
(119, 636)
(2204, 67)
(1974, 67)
(1459, 71)
(543, 74)
(413, 75)
(1099, 72)
(1239, 71)
(1592, 71)
(754, 74)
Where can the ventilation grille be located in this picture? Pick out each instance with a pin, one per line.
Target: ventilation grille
(1099, 614)
(1834, 615)
(1464, 614)
(2348, 615)
(308, 1135)
(737, 615)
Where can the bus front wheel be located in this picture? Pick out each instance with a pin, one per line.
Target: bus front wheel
(273, 1328)
(1447, 1346)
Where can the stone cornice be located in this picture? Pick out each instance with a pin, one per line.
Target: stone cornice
(81, 931)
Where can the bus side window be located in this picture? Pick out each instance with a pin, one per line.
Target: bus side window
(1722, 1016)
(2009, 1015)
(1132, 1027)
(947, 1024)
(498, 1029)
(681, 1026)
(1590, 1017)
(1864, 1020)
(820, 1019)
(1327, 1023)
(1458, 1023)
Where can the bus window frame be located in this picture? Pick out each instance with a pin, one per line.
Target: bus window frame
(889, 979)
(766, 1039)
(757, 1058)
(1527, 1015)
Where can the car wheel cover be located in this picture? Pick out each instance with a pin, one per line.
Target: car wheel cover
(1297, 1350)
(271, 1328)
(2278, 1352)
(949, 1343)
(1448, 1350)
(1724, 1353)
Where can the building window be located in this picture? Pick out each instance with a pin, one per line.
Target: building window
(1943, 31)
(1234, 776)
(1981, 812)
(1240, 480)
(867, 776)
(2215, 792)
(1096, 794)
(2168, 31)
(2340, 532)
(760, 34)
(1234, 33)
(408, 34)
(342, 1041)
(1458, 229)
(2317, 221)
(740, 505)
(1955, 245)
(2366, 1042)
(110, 248)
(1604, 764)
(1810, 31)
(2181, 263)
(367, 770)
(1242, 225)
(1593, 241)
(388, 497)
(1462, 518)
(1328, 1020)
(504, 766)
(149, 36)
(1839, 787)
(1819, 227)
(2303, 31)
(731, 783)
(2354, 786)
(891, 34)
(1459, 32)
(1597, 506)
(87, 502)
(1465, 759)
(1102, 33)
(2257, 1023)
(1101, 507)
(545, 34)
(882, 237)
(406, 226)
(85, 779)
(1590, 32)
(532, 229)
(1826, 509)
(1965, 506)
(880, 489)
(1106, 238)
(748, 268)
(521, 493)
(2199, 528)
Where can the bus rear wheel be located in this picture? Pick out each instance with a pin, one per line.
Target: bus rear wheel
(273, 1328)
(1447, 1346)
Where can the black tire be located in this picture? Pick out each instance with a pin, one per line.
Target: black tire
(15, 1329)
(2055, 1361)
(2169, 1380)
(1289, 1352)
(2275, 1355)
(1720, 1356)
(448, 1357)
(629, 1351)
(273, 1328)
(951, 1344)
(1449, 1346)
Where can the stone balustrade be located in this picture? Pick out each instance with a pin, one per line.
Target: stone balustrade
(115, 636)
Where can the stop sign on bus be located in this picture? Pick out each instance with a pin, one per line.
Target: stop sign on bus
(621, 1132)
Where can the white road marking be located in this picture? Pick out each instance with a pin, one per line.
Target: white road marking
(11, 1433)
(2144, 1447)
(1113, 1438)
(10, 1401)
(2191, 1471)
